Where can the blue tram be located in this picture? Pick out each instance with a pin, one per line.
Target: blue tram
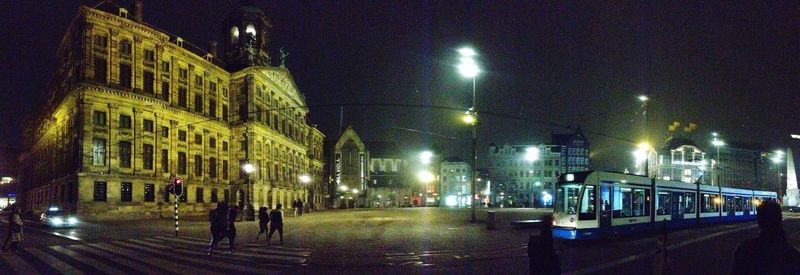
(596, 204)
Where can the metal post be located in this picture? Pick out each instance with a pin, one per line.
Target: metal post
(474, 152)
(176, 213)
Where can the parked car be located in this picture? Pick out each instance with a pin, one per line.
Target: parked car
(794, 209)
(55, 217)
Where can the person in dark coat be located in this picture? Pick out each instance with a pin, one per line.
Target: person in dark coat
(232, 214)
(769, 253)
(541, 252)
(217, 217)
(275, 223)
(14, 236)
(263, 219)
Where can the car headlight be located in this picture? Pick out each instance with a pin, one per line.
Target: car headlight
(57, 221)
(72, 220)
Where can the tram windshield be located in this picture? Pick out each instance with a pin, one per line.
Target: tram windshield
(567, 198)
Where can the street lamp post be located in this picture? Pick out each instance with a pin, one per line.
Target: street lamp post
(469, 69)
(532, 155)
(248, 210)
(305, 179)
(717, 143)
(425, 177)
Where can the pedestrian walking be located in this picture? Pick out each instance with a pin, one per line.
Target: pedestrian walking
(14, 229)
(263, 219)
(299, 207)
(661, 262)
(769, 253)
(217, 218)
(9, 232)
(541, 252)
(232, 214)
(275, 223)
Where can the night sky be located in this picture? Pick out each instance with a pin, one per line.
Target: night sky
(730, 68)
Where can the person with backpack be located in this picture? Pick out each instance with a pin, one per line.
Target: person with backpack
(276, 223)
(263, 219)
(217, 218)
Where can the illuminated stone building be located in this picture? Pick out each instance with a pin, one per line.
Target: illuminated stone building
(351, 170)
(130, 107)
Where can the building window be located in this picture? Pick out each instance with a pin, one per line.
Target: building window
(164, 131)
(164, 160)
(149, 56)
(181, 135)
(99, 191)
(149, 192)
(212, 108)
(100, 69)
(198, 139)
(182, 163)
(212, 168)
(198, 196)
(214, 195)
(224, 112)
(226, 195)
(124, 122)
(224, 169)
(183, 73)
(148, 125)
(125, 75)
(147, 156)
(148, 82)
(125, 154)
(224, 146)
(99, 118)
(198, 103)
(182, 97)
(198, 81)
(165, 91)
(98, 151)
(126, 192)
(125, 48)
(198, 165)
(100, 41)
(212, 87)
(165, 66)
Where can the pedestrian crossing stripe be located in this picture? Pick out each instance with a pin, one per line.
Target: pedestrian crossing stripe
(253, 247)
(155, 255)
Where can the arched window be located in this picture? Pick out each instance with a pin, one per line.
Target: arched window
(234, 35)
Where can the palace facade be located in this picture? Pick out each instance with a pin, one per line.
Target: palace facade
(130, 107)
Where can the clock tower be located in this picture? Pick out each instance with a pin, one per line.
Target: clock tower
(246, 36)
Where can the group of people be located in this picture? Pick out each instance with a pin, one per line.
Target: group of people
(223, 225)
(299, 207)
(14, 232)
(275, 220)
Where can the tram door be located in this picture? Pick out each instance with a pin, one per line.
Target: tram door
(677, 203)
(605, 206)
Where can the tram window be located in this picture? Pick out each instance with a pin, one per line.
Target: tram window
(588, 202)
(663, 206)
(747, 202)
(738, 203)
(630, 202)
(729, 205)
(710, 203)
(689, 206)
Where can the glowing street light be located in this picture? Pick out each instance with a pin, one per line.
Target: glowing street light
(425, 176)
(343, 188)
(425, 157)
(717, 143)
(469, 68)
(532, 154)
(305, 178)
(642, 154)
(248, 168)
(643, 98)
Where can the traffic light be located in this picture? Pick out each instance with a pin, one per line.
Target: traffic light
(176, 187)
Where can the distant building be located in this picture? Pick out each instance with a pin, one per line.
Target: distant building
(575, 151)
(388, 182)
(518, 182)
(680, 160)
(130, 107)
(456, 178)
(351, 170)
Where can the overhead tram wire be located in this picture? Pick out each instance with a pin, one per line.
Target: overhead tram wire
(383, 104)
